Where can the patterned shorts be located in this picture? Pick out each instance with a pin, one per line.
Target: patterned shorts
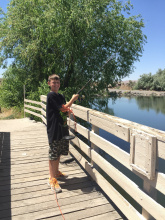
(58, 148)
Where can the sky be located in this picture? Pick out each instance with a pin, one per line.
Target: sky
(153, 57)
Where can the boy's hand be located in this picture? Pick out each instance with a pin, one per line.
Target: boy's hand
(75, 97)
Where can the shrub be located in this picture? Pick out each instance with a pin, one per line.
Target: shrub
(152, 82)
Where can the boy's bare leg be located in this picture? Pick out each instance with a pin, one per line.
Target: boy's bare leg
(54, 167)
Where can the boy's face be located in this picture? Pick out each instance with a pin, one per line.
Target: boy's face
(54, 85)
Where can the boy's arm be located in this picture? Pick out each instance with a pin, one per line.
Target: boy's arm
(74, 98)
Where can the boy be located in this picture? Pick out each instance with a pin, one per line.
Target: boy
(57, 146)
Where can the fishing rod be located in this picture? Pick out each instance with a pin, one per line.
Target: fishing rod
(97, 72)
(100, 68)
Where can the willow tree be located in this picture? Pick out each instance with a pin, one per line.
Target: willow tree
(72, 38)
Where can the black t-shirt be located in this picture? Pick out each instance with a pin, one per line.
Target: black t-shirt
(54, 119)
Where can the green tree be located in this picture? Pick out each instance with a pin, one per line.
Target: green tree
(152, 82)
(11, 89)
(72, 38)
(145, 82)
(159, 80)
(131, 84)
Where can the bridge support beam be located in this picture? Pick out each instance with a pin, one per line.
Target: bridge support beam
(93, 146)
(152, 192)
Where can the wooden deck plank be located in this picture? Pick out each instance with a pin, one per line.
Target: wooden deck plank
(31, 196)
(85, 214)
(34, 176)
(37, 171)
(24, 193)
(52, 209)
(34, 192)
(106, 216)
(27, 208)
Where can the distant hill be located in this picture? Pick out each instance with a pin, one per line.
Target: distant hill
(125, 85)
(127, 81)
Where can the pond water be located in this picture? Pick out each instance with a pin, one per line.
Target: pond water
(149, 111)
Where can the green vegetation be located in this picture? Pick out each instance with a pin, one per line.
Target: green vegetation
(11, 113)
(152, 82)
(72, 38)
(131, 84)
(11, 89)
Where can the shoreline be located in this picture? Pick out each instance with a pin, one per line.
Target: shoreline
(137, 92)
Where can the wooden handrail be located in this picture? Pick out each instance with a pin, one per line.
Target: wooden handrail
(147, 142)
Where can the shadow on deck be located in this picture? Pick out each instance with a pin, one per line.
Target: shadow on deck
(5, 181)
(24, 193)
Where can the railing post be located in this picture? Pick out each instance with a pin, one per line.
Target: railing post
(152, 192)
(43, 101)
(24, 98)
(143, 160)
(93, 146)
(42, 108)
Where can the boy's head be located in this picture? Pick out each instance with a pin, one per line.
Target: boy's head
(53, 77)
(54, 82)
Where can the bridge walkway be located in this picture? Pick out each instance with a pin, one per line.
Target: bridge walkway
(24, 193)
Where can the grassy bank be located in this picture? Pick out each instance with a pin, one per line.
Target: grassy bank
(11, 113)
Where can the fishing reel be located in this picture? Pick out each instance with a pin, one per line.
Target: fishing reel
(81, 98)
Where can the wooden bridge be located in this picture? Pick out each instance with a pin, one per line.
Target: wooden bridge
(104, 182)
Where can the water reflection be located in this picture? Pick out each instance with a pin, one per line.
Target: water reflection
(101, 104)
(149, 111)
(151, 102)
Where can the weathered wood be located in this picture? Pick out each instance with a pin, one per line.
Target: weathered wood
(33, 113)
(94, 212)
(104, 122)
(24, 193)
(130, 187)
(111, 149)
(95, 130)
(44, 120)
(108, 189)
(43, 98)
(144, 155)
(81, 111)
(24, 98)
(81, 145)
(106, 216)
(31, 101)
(43, 112)
(153, 194)
(161, 147)
(48, 210)
(43, 106)
(119, 155)
(108, 147)
(33, 107)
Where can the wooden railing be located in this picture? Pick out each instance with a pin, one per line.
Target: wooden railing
(147, 148)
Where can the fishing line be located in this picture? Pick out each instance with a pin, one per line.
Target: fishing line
(100, 68)
(96, 72)
(59, 206)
